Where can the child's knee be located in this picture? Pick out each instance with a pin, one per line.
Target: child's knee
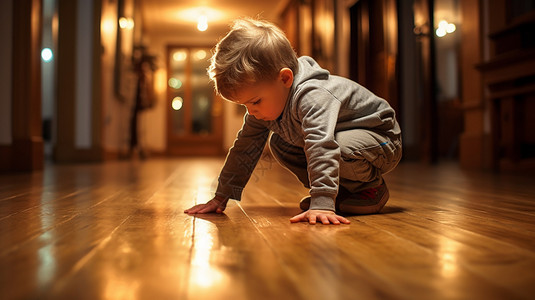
(392, 152)
(360, 170)
(367, 148)
(387, 156)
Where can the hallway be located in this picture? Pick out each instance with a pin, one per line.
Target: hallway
(104, 102)
(118, 231)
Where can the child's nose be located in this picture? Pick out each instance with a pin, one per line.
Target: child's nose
(251, 110)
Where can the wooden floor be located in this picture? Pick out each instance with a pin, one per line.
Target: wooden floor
(118, 231)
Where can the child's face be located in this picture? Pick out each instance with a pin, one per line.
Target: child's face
(266, 100)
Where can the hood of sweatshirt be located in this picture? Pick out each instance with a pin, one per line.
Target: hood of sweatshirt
(309, 69)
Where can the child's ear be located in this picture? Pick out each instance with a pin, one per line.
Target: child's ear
(287, 77)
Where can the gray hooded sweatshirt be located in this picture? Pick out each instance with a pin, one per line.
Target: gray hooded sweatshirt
(318, 106)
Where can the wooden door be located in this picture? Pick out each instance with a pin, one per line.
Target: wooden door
(194, 123)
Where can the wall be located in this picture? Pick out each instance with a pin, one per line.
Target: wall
(79, 100)
(84, 91)
(407, 60)
(116, 112)
(153, 128)
(5, 71)
(96, 124)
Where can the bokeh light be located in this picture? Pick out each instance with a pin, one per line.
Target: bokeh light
(175, 83)
(47, 55)
(177, 103)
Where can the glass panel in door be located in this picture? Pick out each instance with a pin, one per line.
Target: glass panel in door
(202, 92)
(177, 85)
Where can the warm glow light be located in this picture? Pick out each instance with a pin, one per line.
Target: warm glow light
(192, 14)
(175, 83)
(180, 55)
(47, 55)
(177, 103)
(202, 23)
(47, 254)
(444, 28)
(123, 23)
(108, 26)
(201, 54)
(204, 273)
(448, 257)
(450, 28)
(126, 23)
(160, 77)
(441, 32)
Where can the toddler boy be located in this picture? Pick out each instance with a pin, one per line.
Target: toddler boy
(337, 137)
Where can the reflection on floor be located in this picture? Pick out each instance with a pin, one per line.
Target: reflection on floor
(117, 231)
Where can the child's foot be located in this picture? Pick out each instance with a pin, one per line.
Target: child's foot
(369, 201)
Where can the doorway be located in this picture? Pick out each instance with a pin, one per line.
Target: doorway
(429, 78)
(447, 22)
(48, 74)
(194, 117)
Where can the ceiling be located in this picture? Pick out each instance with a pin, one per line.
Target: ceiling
(179, 17)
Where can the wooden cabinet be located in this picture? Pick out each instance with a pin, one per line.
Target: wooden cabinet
(509, 83)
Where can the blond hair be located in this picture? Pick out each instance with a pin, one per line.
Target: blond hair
(253, 51)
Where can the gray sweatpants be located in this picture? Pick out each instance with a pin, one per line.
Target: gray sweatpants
(365, 157)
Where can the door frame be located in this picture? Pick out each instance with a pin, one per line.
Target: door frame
(26, 151)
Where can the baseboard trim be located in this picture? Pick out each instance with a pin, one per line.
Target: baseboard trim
(22, 155)
(73, 155)
(5, 158)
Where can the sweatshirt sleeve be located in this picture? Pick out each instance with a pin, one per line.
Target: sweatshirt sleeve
(318, 111)
(242, 158)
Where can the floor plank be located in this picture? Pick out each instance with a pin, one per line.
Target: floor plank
(118, 231)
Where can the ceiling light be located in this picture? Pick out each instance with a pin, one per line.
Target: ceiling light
(202, 23)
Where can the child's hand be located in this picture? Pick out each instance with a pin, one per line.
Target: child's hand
(324, 216)
(217, 204)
